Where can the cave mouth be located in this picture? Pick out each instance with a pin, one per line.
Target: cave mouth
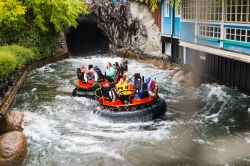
(86, 38)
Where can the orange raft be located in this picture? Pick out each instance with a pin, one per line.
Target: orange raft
(146, 109)
(85, 82)
(84, 89)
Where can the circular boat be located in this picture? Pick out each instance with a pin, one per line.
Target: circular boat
(84, 84)
(85, 87)
(140, 110)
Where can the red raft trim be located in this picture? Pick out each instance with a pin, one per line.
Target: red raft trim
(134, 102)
(84, 85)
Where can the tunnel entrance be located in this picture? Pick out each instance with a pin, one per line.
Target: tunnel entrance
(86, 38)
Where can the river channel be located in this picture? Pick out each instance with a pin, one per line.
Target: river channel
(208, 125)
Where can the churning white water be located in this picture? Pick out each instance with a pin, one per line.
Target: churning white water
(199, 128)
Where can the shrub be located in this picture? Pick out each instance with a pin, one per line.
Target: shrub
(43, 44)
(8, 64)
(23, 55)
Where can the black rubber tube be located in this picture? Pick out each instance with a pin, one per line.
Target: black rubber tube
(83, 93)
(150, 112)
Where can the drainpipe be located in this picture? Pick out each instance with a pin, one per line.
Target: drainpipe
(172, 31)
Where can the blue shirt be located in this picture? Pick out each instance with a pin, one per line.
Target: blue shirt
(110, 72)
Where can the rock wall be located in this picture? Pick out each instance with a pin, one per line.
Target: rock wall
(150, 43)
(6, 84)
(127, 27)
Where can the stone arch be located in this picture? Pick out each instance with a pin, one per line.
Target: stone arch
(125, 27)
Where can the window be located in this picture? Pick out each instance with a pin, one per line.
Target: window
(168, 48)
(210, 10)
(242, 35)
(166, 8)
(177, 12)
(209, 31)
(188, 8)
(238, 11)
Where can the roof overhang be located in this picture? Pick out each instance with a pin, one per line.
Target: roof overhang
(217, 51)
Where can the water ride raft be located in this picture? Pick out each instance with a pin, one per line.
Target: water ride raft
(138, 110)
(84, 85)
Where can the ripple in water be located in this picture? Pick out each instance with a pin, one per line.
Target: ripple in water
(200, 127)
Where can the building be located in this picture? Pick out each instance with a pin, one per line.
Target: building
(170, 30)
(212, 35)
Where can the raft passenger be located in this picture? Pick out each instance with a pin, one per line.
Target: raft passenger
(110, 71)
(83, 69)
(124, 90)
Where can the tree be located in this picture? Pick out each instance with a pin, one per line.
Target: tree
(59, 13)
(154, 3)
(43, 14)
(11, 14)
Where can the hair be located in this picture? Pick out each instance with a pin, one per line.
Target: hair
(119, 77)
(109, 79)
(109, 63)
(90, 67)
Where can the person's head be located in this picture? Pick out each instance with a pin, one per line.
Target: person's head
(90, 67)
(109, 65)
(125, 62)
(82, 67)
(120, 78)
(110, 80)
(124, 77)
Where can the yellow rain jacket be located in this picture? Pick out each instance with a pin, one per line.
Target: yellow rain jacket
(124, 88)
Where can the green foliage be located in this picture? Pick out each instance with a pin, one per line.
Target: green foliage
(43, 44)
(12, 14)
(40, 13)
(34, 24)
(154, 3)
(177, 3)
(8, 64)
(23, 55)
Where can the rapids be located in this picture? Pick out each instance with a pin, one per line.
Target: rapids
(208, 125)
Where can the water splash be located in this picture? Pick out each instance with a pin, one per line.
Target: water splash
(62, 130)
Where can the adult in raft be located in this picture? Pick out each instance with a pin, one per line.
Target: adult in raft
(124, 90)
(110, 72)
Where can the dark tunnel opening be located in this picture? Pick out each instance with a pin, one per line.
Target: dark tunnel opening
(86, 38)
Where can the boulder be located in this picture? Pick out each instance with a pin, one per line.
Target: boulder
(172, 72)
(12, 148)
(192, 79)
(12, 121)
(179, 76)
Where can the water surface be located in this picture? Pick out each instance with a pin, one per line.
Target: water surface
(208, 125)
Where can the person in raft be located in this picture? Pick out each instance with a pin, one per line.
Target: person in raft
(124, 90)
(83, 69)
(110, 71)
(90, 67)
